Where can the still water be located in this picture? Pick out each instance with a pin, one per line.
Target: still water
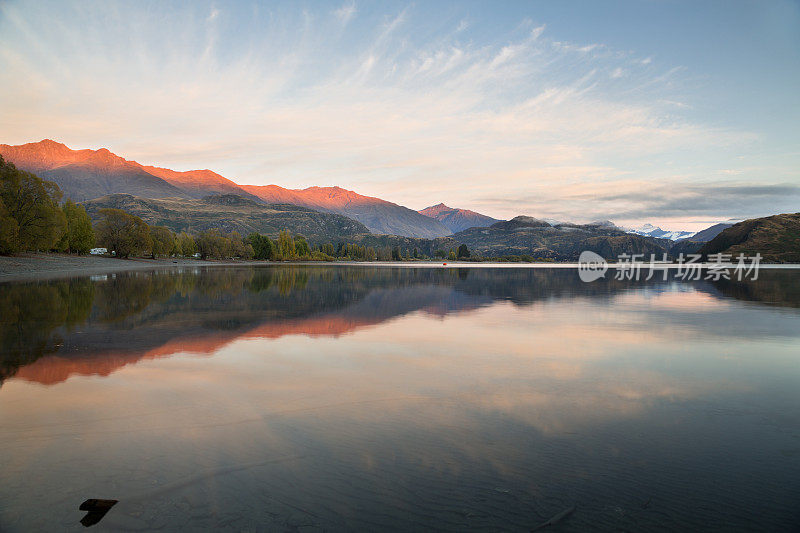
(375, 399)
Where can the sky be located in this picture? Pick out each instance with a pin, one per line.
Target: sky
(680, 114)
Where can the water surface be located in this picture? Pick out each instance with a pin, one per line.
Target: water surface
(356, 398)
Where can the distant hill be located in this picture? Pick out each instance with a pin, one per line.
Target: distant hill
(692, 244)
(427, 247)
(776, 238)
(457, 219)
(232, 213)
(709, 233)
(378, 215)
(563, 242)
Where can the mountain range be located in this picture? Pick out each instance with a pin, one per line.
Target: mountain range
(524, 235)
(88, 174)
(201, 199)
(378, 215)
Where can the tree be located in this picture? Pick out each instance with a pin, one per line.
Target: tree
(263, 247)
(211, 243)
(163, 241)
(286, 248)
(33, 204)
(9, 231)
(239, 247)
(122, 233)
(463, 251)
(301, 247)
(78, 235)
(328, 249)
(185, 245)
(452, 255)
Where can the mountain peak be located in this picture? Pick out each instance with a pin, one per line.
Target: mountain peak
(525, 220)
(649, 230)
(437, 210)
(603, 224)
(37, 156)
(49, 143)
(457, 219)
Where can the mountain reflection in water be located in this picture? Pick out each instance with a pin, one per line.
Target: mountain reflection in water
(353, 398)
(94, 327)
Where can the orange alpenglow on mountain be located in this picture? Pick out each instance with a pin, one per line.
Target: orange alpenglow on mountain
(88, 174)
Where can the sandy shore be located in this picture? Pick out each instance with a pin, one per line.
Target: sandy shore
(48, 266)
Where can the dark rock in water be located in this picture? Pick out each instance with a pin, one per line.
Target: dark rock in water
(556, 519)
(97, 509)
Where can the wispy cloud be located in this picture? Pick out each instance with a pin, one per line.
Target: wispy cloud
(346, 12)
(629, 201)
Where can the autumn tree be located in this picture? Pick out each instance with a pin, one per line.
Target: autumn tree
(185, 245)
(163, 241)
(78, 235)
(33, 204)
(9, 231)
(212, 244)
(122, 233)
(239, 247)
(286, 247)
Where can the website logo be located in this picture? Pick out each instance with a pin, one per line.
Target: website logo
(591, 266)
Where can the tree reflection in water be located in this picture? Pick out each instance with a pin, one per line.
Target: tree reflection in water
(137, 312)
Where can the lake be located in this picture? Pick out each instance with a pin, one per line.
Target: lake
(336, 398)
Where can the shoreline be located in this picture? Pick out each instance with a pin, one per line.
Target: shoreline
(43, 266)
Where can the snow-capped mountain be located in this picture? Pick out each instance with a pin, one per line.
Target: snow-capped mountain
(649, 230)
